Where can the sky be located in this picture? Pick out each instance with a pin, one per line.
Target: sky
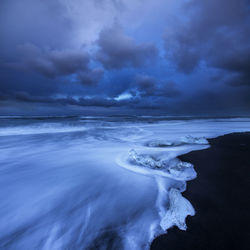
(135, 57)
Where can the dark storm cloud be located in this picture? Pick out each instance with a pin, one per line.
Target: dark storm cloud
(216, 32)
(233, 101)
(110, 53)
(149, 86)
(60, 63)
(33, 21)
(26, 97)
(3, 97)
(145, 84)
(57, 63)
(101, 102)
(53, 63)
(97, 101)
(237, 63)
(90, 77)
(116, 50)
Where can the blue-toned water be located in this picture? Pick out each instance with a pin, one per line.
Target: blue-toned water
(97, 182)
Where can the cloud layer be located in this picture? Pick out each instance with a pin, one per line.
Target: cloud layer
(181, 57)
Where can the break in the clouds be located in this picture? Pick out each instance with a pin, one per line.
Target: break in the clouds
(164, 57)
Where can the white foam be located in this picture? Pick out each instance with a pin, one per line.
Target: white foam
(68, 190)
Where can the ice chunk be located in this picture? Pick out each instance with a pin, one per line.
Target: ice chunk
(194, 140)
(144, 160)
(180, 169)
(179, 209)
(174, 168)
(184, 140)
(159, 143)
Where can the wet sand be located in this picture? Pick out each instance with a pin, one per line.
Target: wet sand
(221, 197)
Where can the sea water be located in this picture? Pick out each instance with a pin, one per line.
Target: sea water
(98, 182)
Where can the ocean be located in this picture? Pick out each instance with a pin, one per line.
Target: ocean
(92, 182)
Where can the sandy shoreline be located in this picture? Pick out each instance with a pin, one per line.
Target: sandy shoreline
(220, 196)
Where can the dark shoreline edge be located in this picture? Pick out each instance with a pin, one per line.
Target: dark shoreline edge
(220, 196)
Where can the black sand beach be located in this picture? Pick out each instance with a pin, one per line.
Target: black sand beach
(220, 196)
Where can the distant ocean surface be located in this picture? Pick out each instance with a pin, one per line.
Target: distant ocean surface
(98, 182)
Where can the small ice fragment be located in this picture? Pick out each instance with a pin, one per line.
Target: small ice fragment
(179, 209)
(160, 144)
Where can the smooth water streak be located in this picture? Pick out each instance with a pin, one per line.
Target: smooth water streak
(97, 183)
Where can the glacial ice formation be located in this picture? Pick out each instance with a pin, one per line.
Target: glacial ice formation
(182, 170)
(179, 209)
(173, 207)
(160, 144)
(182, 141)
(145, 160)
(194, 140)
(174, 168)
